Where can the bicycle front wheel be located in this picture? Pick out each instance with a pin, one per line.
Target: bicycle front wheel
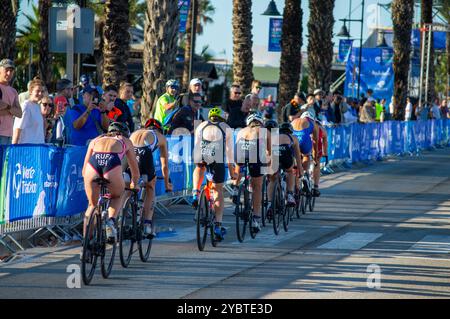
(202, 219)
(127, 232)
(241, 212)
(91, 243)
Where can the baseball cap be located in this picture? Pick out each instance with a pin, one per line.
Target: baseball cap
(318, 91)
(195, 81)
(7, 63)
(89, 89)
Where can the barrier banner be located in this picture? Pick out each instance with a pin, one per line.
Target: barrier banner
(31, 177)
(2, 185)
(71, 195)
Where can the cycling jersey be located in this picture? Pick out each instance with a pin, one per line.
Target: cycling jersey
(304, 138)
(209, 151)
(104, 162)
(285, 153)
(144, 156)
(244, 151)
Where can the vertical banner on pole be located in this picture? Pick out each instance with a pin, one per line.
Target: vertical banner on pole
(275, 33)
(183, 6)
(345, 49)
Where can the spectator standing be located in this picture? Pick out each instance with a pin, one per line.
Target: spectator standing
(195, 86)
(422, 112)
(337, 108)
(62, 102)
(126, 94)
(168, 101)
(408, 109)
(88, 120)
(234, 108)
(30, 127)
(268, 106)
(48, 114)
(188, 114)
(9, 101)
(391, 109)
(292, 110)
(319, 98)
(435, 112)
(121, 104)
(380, 107)
(444, 109)
(370, 97)
(367, 114)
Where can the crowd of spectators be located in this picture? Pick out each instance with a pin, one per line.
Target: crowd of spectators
(75, 114)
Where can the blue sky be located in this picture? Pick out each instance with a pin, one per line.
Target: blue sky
(218, 35)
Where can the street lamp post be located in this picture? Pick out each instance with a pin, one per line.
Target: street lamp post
(344, 33)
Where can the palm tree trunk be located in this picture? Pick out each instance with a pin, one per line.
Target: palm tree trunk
(320, 44)
(447, 93)
(242, 44)
(190, 41)
(291, 56)
(116, 41)
(8, 18)
(98, 53)
(402, 19)
(160, 50)
(427, 17)
(45, 58)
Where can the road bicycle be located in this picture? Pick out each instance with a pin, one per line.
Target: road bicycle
(205, 216)
(243, 207)
(131, 226)
(265, 219)
(95, 242)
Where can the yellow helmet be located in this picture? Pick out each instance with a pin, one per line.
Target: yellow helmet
(216, 112)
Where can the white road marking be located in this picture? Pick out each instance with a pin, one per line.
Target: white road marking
(432, 244)
(351, 241)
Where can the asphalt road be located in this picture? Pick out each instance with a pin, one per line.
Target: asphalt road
(380, 231)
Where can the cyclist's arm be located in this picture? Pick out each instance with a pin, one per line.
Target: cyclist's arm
(132, 163)
(229, 149)
(325, 142)
(164, 160)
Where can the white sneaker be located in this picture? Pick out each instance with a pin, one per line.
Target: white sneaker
(290, 200)
(255, 224)
(111, 231)
(148, 231)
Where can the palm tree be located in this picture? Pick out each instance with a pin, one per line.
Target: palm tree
(291, 57)
(116, 46)
(45, 58)
(427, 17)
(190, 41)
(242, 44)
(160, 49)
(402, 20)
(8, 18)
(320, 44)
(444, 10)
(203, 10)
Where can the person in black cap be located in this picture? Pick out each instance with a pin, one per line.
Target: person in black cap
(292, 109)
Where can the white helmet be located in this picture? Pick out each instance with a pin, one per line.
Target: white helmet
(255, 117)
(307, 114)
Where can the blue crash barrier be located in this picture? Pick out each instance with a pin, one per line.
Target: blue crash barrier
(44, 180)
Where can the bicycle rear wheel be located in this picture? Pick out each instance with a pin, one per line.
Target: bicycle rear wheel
(127, 232)
(276, 208)
(108, 253)
(202, 219)
(289, 211)
(298, 202)
(91, 243)
(211, 221)
(145, 243)
(241, 211)
(265, 200)
(312, 203)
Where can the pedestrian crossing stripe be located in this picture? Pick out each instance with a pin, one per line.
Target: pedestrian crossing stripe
(432, 244)
(351, 241)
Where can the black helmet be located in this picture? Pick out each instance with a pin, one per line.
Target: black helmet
(286, 127)
(270, 124)
(119, 127)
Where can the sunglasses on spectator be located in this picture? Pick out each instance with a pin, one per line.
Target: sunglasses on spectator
(48, 104)
(174, 87)
(237, 93)
(259, 87)
(197, 101)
